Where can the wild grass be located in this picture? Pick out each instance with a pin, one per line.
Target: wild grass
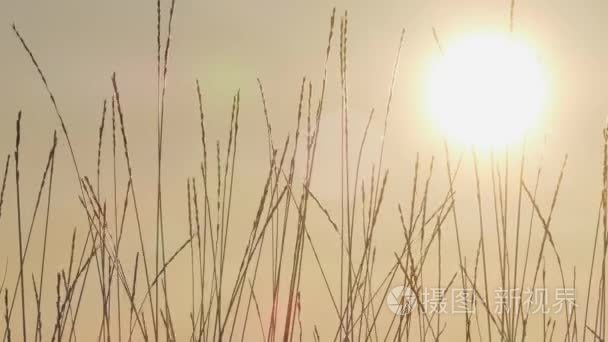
(228, 306)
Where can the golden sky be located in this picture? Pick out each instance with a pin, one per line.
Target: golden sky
(228, 44)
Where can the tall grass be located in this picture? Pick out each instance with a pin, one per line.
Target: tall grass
(227, 306)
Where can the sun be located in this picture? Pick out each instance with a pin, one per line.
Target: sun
(487, 90)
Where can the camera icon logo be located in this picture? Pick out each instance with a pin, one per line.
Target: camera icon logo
(401, 300)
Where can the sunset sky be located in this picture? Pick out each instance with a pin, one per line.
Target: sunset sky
(227, 45)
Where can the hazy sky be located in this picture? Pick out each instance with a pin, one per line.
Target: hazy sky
(228, 44)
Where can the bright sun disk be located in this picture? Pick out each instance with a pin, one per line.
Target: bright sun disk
(486, 90)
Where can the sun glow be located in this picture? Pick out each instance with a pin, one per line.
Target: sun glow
(486, 90)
